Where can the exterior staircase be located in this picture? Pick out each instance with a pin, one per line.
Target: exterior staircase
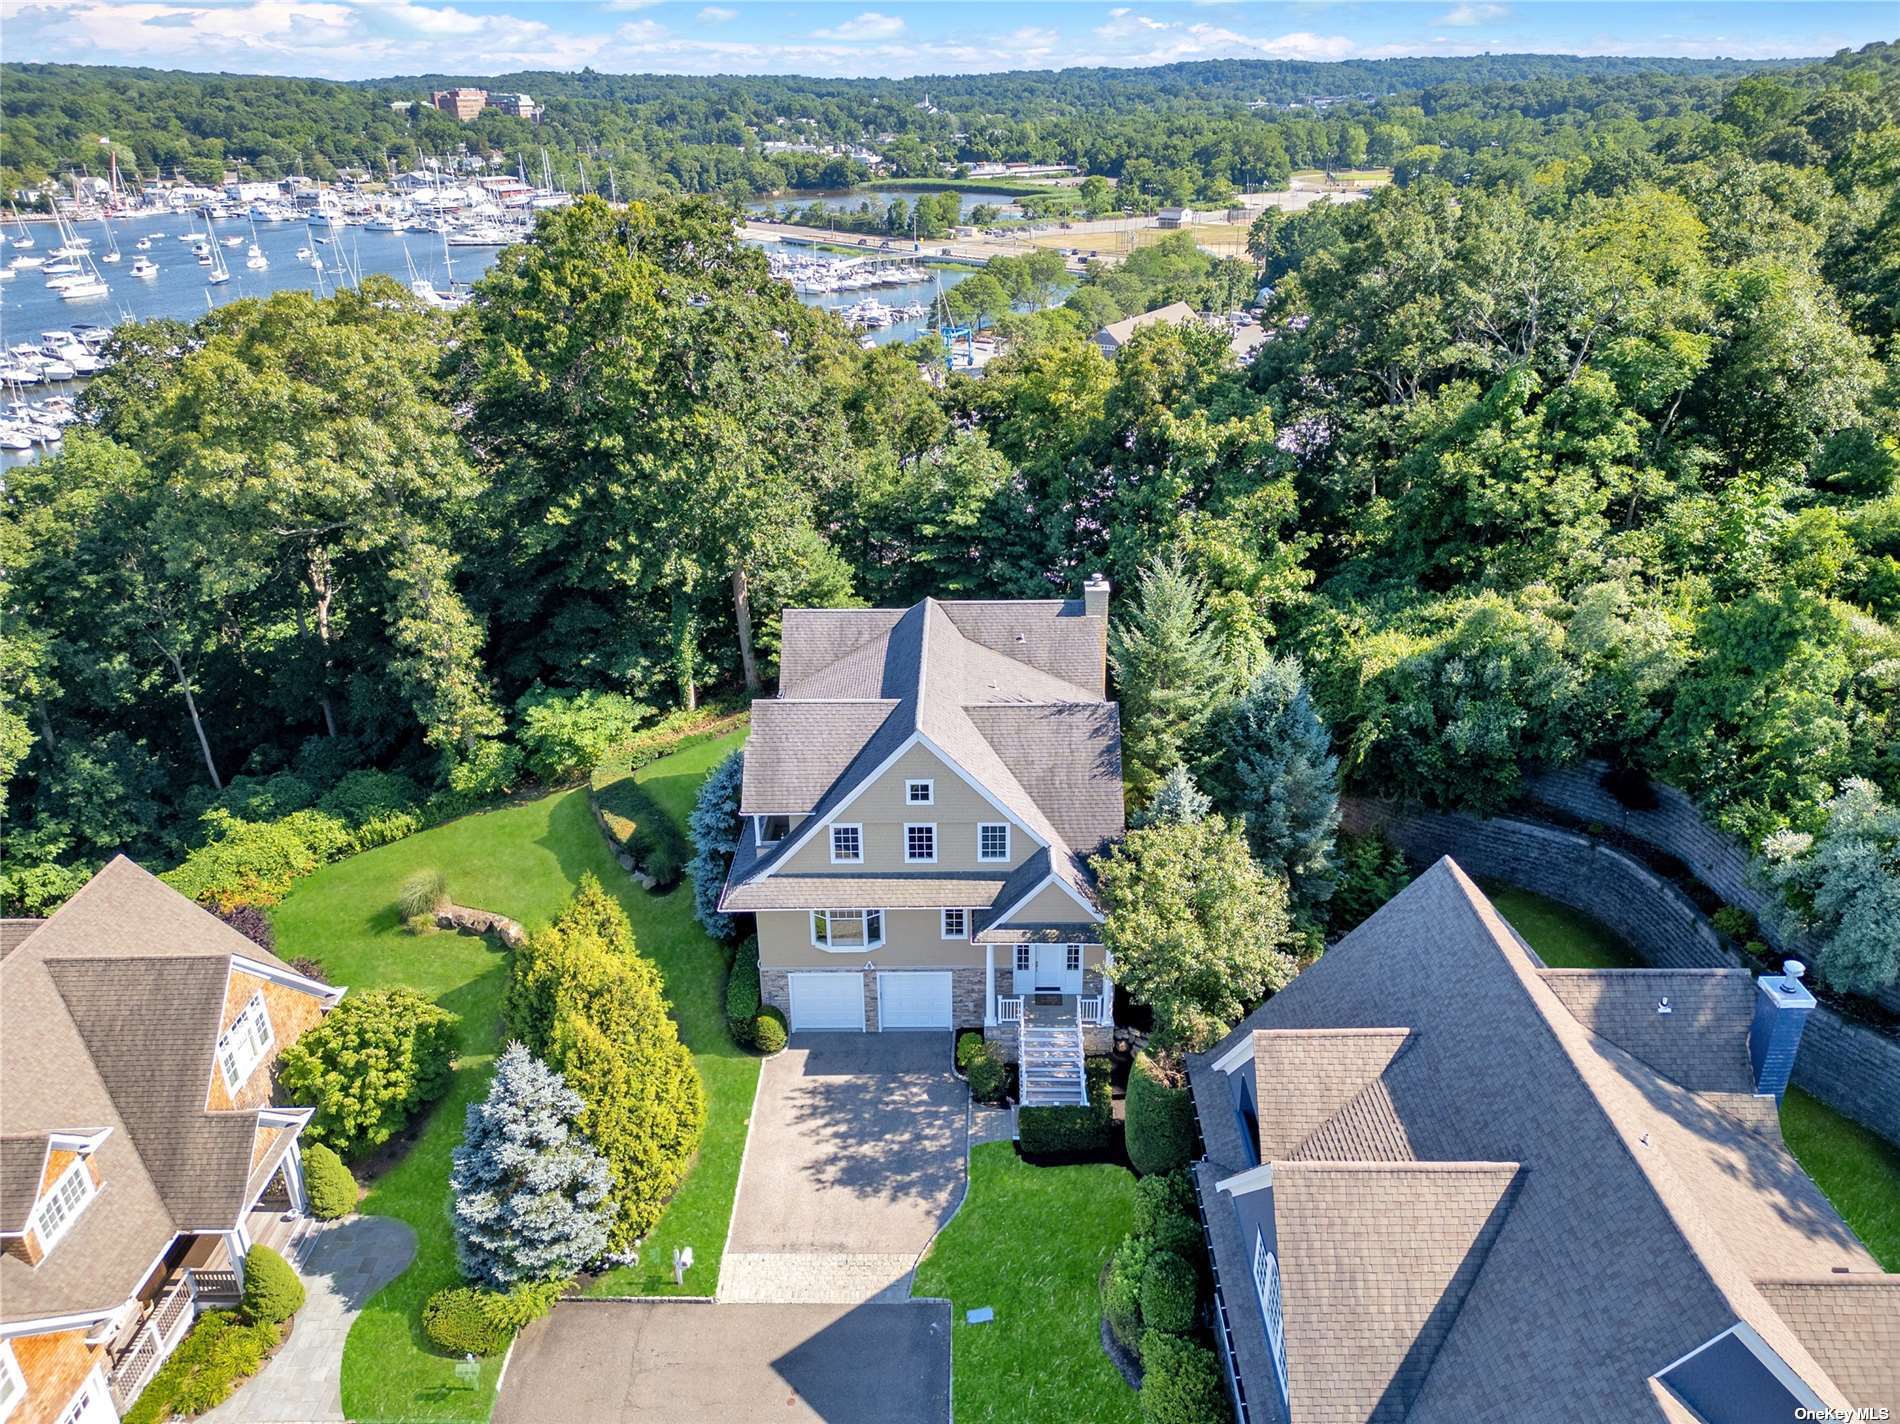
(1050, 1064)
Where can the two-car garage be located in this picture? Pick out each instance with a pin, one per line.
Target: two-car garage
(905, 999)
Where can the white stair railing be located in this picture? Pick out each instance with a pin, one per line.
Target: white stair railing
(1094, 1011)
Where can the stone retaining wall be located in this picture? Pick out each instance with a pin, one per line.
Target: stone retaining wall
(1849, 1066)
(480, 922)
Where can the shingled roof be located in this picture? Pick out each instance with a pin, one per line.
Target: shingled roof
(1010, 692)
(1610, 1218)
(109, 1017)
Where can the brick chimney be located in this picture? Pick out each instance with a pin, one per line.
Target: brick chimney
(1782, 1007)
(1095, 596)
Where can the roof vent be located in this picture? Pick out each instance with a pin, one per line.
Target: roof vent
(1663, 1005)
(1022, 637)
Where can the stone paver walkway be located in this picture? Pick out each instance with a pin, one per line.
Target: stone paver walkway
(342, 1267)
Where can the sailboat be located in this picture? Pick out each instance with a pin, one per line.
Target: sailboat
(112, 253)
(219, 272)
(25, 239)
(255, 258)
(87, 285)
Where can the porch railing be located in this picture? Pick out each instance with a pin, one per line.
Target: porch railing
(1093, 1011)
(157, 1338)
(1009, 1010)
(212, 1289)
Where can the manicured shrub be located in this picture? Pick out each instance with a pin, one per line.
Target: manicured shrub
(643, 829)
(768, 1031)
(716, 828)
(363, 796)
(252, 923)
(272, 1292)
(982, 1063)
(421, 924)
(1160, 1118)
(595, 1009)
(1072, 1131)
(369, 1065)
(1169, 1288)
(423, 893)
(513, 1310)
(458, 1321)
(742, 992)
(328, 1183)
(562, 733)
(1165, 1213)
(217, 1353)
(528, 1192)
(1121, 1292)
(1181, 1382)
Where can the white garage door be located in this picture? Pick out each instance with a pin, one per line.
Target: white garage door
(913, 1000)
(828, 1001)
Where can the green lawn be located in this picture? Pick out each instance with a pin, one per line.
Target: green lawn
(522, 860)
(1858, 1170)
(1030, 1242)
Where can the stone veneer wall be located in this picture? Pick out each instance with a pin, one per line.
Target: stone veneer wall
(1849, 1066)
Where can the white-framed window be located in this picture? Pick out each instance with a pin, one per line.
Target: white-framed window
(847, 844)
(60, 1208)
(1072, 960)
(992, 840)
(12, 1382)
(1023, 953)
(920, 842)
(243, 1045)
(842, 931)
(80, 1411)
(956, 924)
(1266, 1284)
(771, 829)
(920, 793)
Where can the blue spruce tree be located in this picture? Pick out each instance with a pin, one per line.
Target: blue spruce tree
(530, 1194)
(716, 827)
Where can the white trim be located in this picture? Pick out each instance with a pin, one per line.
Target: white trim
(284, 1117)
(1234, 1056)
(1251, 1180)
(1765, 1354)
(75, 1142)
(758, 828)
(871, 776)
(251, 1052)
(289, 977)
(943, 924)
(831, 837)
(36, 1220)
(47, 1324)
(1037, 889)
(982, 859)
(10, 1372)
(930, 826)
(930, 791)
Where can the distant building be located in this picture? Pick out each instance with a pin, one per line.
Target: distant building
(519, 105)
(465, 104)
(1115, 335)
(402, 106)
(1176, 217)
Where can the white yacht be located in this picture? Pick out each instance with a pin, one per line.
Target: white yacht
(144, 268)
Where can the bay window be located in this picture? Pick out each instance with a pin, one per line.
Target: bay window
(844, 930)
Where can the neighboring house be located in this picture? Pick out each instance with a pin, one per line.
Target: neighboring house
(1116, 334)
(140, 1154)
(923, 796)
(1176, 217)
(1446, 1183)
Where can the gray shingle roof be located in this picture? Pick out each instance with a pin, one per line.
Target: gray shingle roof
(1645, 1213)
(889, 892)
(1009, 691)
(13, 934)
(1701, 1043)
(108, 1018)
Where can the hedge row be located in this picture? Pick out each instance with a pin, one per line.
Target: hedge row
(674, 732)
(641, 827)
(1072, 1131)
(218, 1353)
(1160, 1118)
(981, 1062)
(742, 992)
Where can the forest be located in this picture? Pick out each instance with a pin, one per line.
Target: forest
(1578, 453)
(1193, 130)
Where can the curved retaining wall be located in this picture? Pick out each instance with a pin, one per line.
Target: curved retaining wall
(1853, 1068)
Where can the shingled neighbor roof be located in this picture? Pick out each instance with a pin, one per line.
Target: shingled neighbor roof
(1491, 1199)
(109, 1019)
(1011, 692)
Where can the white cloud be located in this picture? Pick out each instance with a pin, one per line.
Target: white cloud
(717, 15)
(868, 26)
(1473, 14)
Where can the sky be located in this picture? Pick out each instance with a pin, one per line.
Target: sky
(364, 39)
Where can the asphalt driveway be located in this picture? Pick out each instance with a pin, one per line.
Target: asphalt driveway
(629, 1362)
(854, 1160)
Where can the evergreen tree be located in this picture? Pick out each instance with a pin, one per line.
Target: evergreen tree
(1843, 886)
(529, 1193)
(716, 827)
(1168, 670)
(1176, 800)
(1270, 763)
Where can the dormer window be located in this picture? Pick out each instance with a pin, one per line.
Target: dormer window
(771, 829)
(243, 1045)
(12, 1383)
(920, 793)
(1266, 1284)
(847, 845)
(60, 1208)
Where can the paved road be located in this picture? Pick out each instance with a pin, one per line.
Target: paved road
(660, 1362)
(342, 1266)
(856, 1157)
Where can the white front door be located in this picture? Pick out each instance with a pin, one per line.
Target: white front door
(1058, 969)
(913, 999)
(828, 1001)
